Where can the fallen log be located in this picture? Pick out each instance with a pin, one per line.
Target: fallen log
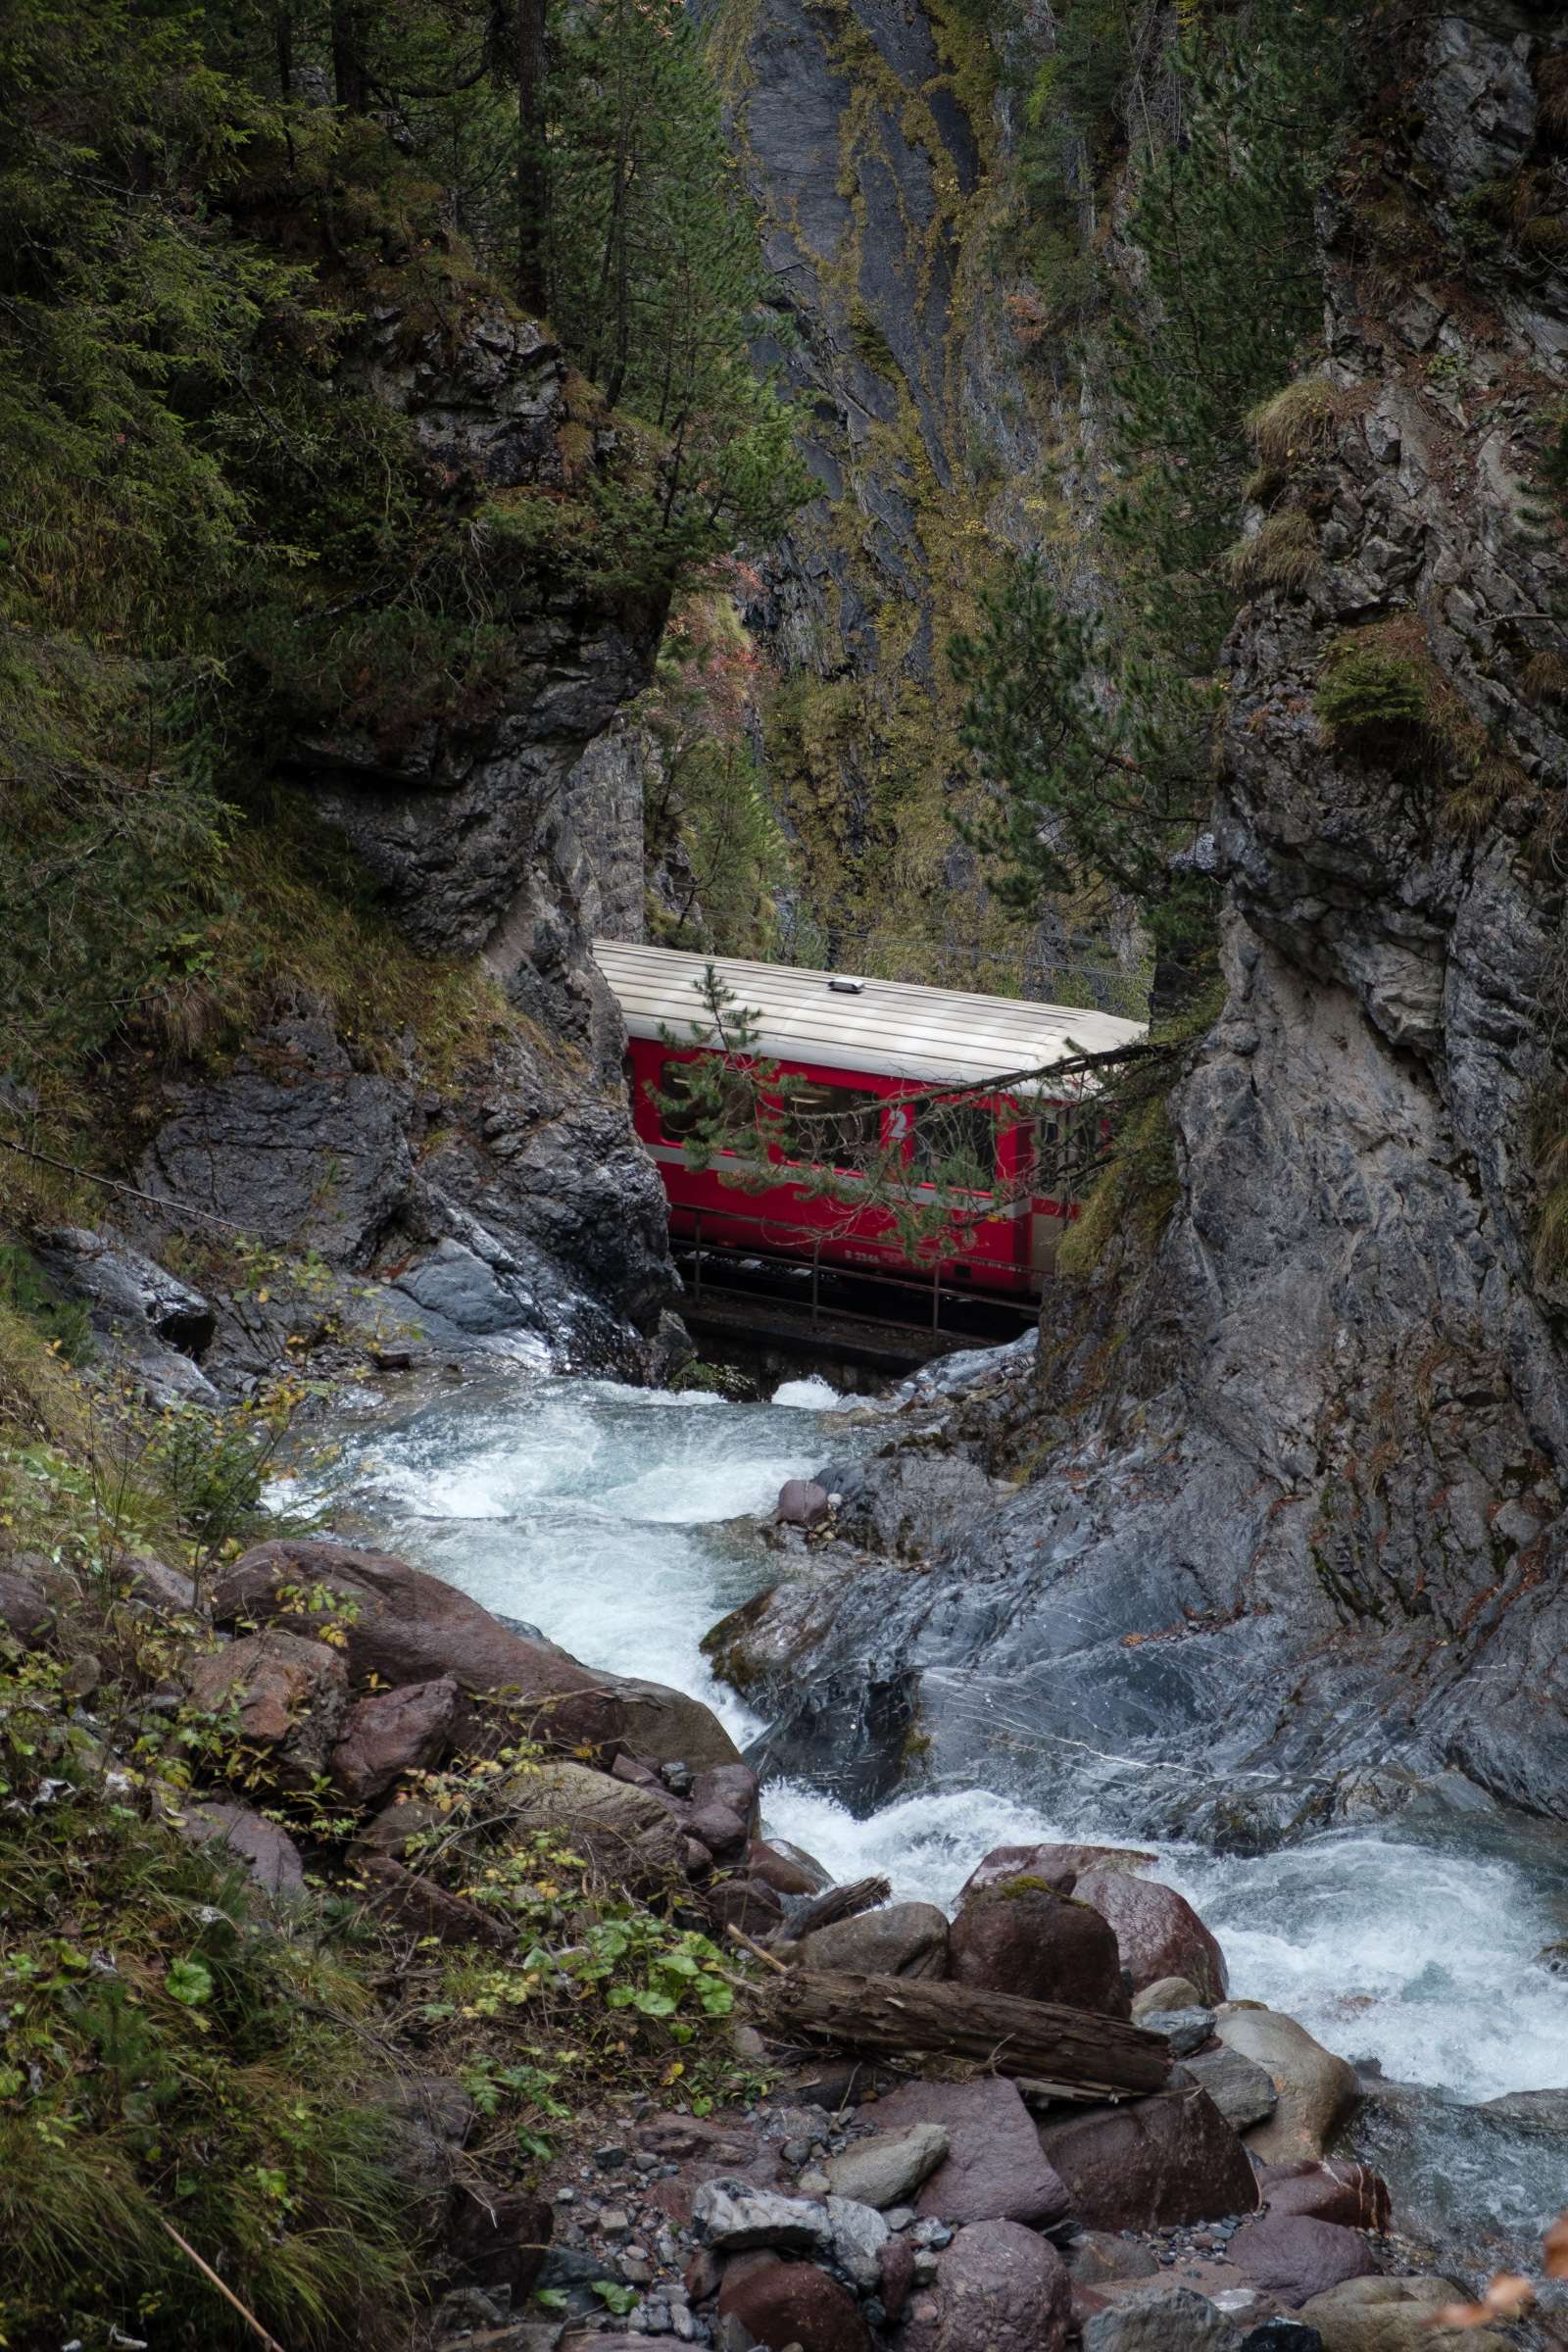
(901, 2016)
(834, 1903)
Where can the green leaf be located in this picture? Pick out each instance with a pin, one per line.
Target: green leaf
(189, 1982)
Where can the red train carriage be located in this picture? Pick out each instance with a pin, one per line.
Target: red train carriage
(869, 1058)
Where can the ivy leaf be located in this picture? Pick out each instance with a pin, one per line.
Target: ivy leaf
(654, 2004)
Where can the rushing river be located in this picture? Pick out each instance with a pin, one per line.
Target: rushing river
(607, 1517)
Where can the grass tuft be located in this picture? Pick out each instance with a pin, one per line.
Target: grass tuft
(1283, 554)
(1297, 423)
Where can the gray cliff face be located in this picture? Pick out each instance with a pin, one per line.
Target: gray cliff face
(512, 1198)
(1308, 1538)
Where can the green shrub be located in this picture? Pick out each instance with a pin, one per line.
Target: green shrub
(1371, 691)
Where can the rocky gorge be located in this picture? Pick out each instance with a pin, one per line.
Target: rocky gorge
(474, 1869)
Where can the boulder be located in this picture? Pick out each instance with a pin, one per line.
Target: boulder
(498, 2238)
(1152, 2163)
(1315, 2090)
(232, 1831)
(733, 2216)
(1186, 2029)
(1017, 1935)
(627, 1834)
(1295, 2259)
(787, 1869)
(1339, 2190)
(1283, 2335)
(888, 2168)
(903, 1939)
(419, 1907)
(778, 2304)
(391, 1732)
(285, 1696)
(895, 2276)
(859, 2234)
(400, 1626)
(1096, 2256)
(668, 1726)
(1157, 1931)
(1003, 2290)
(802, 1502)
(734, 1787)
(1394, 2315)
(1166, 1992)
(24, 1611)
(746, 1904)
(1055, 1866)
(1239, 2087)
(994, 2171)
(721, 1833)
(1166, 2319)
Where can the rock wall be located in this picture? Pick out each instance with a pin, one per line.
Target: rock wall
(874, 144)
(505, 1199)
(1288, 1538)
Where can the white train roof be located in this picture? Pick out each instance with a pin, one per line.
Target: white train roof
(939, 1036)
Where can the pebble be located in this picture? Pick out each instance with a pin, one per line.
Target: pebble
(932, 2233)
(899, 2216)
(614, 2223)
(925, 2268)
(564, 2197)
(608, 2159)
(636, 2269)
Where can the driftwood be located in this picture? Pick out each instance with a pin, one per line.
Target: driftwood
(835, 1903)
(898, 2015)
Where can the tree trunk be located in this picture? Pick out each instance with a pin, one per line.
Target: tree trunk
(350, 81)
(1038, 2039)
(528, 59)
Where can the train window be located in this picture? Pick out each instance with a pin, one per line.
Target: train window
(956, 1143)
(1066, 1139)
(682, 1112)
(836, 1126)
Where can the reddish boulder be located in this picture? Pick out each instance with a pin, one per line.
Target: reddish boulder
(401, 1625)
(895, 2264)
(1003, 2290)
(1338, 2190)
(1150, 2164)
(25, 1613)
(1055, 1866)
(995, 2171)
(234, 1832)
(802, 1502)
(1018, 1936)
(749, 1904)
(785, 1868)
(422, 1908)
(735, 1786)
(902, 1940)
(714, 1827)
(391, 1732)
(1295, 2259)
(285, 1696)
(1159, 1931)
(784, 2303)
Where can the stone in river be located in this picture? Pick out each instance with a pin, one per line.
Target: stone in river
(1150, 2164)
(1239, 2087)
(1166, 1992)
(1159, 1931)
(1338, 2190)
(1316, 2090)
(1018, 1936)
(802, 1502)
(1003, 2290)
(889, 2167)
(994, 2169)
(1396, 2315)
(1297, 2258)
(902, 1940)
(782, 2303)
(1166, 2319)
(1186, 2029)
